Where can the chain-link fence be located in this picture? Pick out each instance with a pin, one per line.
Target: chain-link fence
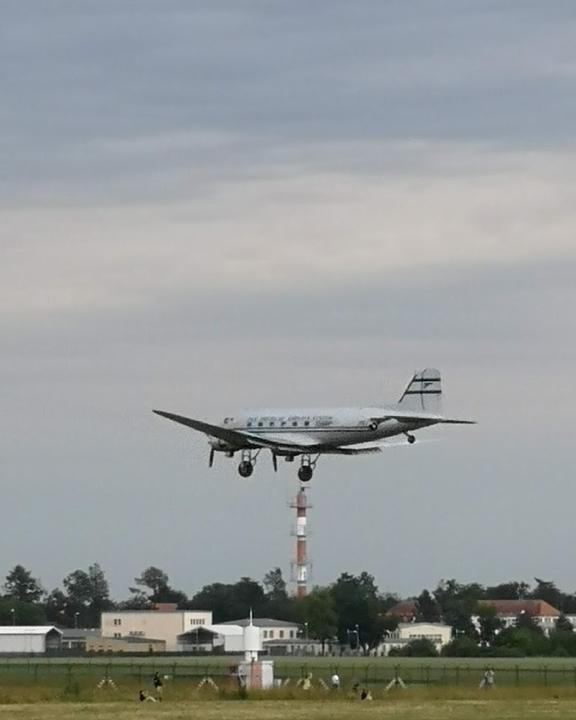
(289, 672)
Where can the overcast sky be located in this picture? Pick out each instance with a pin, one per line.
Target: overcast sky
(208, 205)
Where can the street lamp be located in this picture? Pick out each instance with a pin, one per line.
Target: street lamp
(13, 613)
(76, 614)
(306, 637)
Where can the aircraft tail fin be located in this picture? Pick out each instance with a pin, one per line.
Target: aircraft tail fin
(424, 392)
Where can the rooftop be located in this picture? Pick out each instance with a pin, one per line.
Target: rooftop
(262, 622)
(28, 629)
(537, 608)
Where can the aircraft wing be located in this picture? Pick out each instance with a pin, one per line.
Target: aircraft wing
(347, 450)
(290, 441)
(365, 448)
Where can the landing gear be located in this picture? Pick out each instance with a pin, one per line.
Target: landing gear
(245, 468)
(247, 462)
(306, 469)
(411, 439)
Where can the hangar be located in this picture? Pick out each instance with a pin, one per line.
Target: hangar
(29, 639)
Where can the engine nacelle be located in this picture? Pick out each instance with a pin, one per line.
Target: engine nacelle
(219, 445)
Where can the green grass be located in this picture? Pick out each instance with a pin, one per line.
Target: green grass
(421, 708)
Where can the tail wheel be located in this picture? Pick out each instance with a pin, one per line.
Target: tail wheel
(411, 439)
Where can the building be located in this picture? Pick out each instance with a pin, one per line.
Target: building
(224, 638)
(437, 633)
(29, 639)
(164, 622)
(270, 629)
(539, 610)
(74, 639)
(128, 644)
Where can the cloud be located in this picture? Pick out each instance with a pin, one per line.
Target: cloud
(208, 207)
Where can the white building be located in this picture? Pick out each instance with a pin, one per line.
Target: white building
(163, 623)
(508, 611)
(270, 628)
(437, 633)
(29, 639)
(226, 638)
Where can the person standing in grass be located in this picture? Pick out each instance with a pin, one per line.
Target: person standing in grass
(158, 687)
(487, 681)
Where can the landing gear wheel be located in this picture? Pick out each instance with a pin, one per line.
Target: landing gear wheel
(305, 473)
(411, 439)
(245, 468)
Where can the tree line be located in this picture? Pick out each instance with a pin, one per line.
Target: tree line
(350, 613)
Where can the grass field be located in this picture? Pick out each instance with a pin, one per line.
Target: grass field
(420, 709)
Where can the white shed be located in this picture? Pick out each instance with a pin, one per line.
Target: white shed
(29, 639)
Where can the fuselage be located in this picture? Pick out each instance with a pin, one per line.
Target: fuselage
(326, 426)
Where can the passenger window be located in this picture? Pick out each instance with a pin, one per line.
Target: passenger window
(260, 424)
(283, 423)
(271, 424)
(249, 423)
(294, 424)
(306, 422)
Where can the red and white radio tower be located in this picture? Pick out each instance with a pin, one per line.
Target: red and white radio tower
(301, 565)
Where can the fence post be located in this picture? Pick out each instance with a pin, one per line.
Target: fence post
(517, 675)
(545, 675)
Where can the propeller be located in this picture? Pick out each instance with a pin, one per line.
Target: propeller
(275, 462)
(211, 458)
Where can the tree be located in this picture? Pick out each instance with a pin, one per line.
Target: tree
(275, 585)
(22, 586)
(458, 603)
(421, 647)
(159, 590)
(428, 609)
(17, 612)
(546, 590)
(87, 596)
(512, 590)
(317, 611)
(563, 624)
(357, 604)
(156, 582)
(56, 607)
(231, 601)
(278, 604)
(461, 647)
(489, 623)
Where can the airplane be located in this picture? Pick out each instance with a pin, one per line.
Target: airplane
(308, 434)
